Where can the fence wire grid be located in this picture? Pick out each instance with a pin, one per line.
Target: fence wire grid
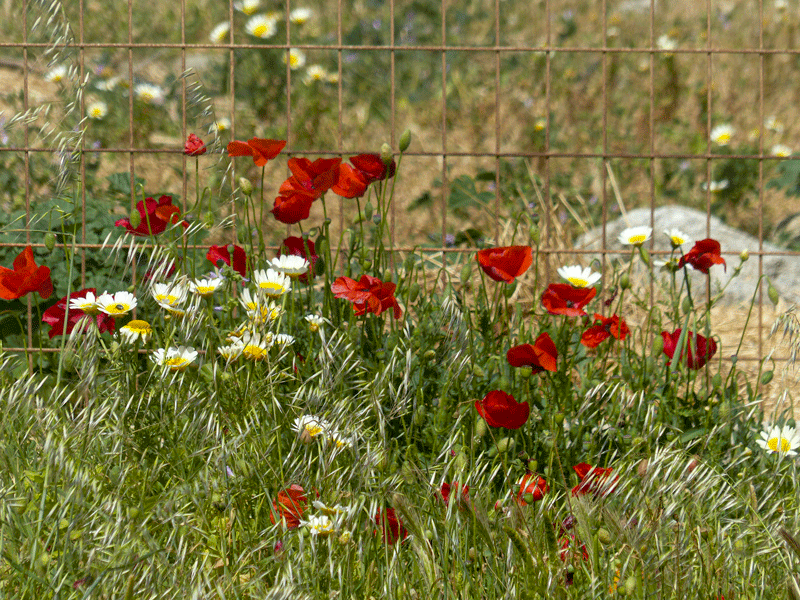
(589, 108)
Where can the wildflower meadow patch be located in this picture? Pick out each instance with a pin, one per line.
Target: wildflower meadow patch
(244, 385)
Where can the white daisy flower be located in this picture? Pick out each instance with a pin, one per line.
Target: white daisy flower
(335, 512)
(57, 74)
(635, 236)
(261, 26)
(780, 150)
(250, 302)
(314, 73)
(716, 186)
(676, 237)
(780, 440)
(272, 283)
(284, 339)
(315, 322)
(722, 134)
(333, 78)
(136, 330)
(97, 110)
(255, 347)
(290, 264)
(773, 124)
(669, 265)
(108, 85)
(578, 277)
(296, 58)
(231, 352)
(667, 43)
(220, 33)
(220, 125)
(781, 5)
(320, 525)
(205, 288)
(309, 426)
(116, 305)
(248, 7)
(265, 314)
(87, 304)
(300, 16)
(339, 440)
(177, 359)
(171, 295)
(148, 93)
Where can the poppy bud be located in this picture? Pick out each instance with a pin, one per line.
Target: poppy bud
(386, 154)
(135, 218)
(413, 292)
(405, 140)
(686, 305)
(630, 585)
(766, 377)
(368, 210)
(625, 282)
(658, 345)
(480, 427)
(473, 554)
(534, 234)
(604, 536)
(504, 445)
(772, 293)
(645, 255)
(716, 380)
(533, 466)
(246, 186)
(466, 272)
(49, 241)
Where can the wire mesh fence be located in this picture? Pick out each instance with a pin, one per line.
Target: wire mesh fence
(572, 114)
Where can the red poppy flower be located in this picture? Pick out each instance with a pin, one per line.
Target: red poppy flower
(461, 494)
(221, 253)
(532, 484)
(350, 183)
(566, 549)
(262, 150)
(564, 299)
(541, 356)
(311, 178)
(703, 256)
(699, 349)
(594, 480)
(194, 146)
(499, 409)
(297, 246)
(391, 526)
(55, 316)
(25, 277)
(368, 294)
(372, 168)
(606, 328)
(292, 208)
(505, 263)
(289, 506)
(158, 214)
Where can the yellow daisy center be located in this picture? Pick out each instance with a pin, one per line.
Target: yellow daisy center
(254, 352)
(204, 290)
(272, 289)
(676, 241)
(637, 239)
(139, 326)
(313, 429)
(578, 282)
(723, 138)
(118, 309)
(259, 30)
(177, 363)
(779, 444)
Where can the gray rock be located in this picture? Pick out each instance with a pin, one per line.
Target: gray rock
(783, 271)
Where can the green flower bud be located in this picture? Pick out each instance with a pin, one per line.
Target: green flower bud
(429, 355)
(533, 466)
(766, 377)
(386, 154)
(405, 140)
(246, 186)
(744, 255)
(466, 272)
(535, 234)
(368, 209)
(505, 444)
(645, 255)
(625, 282)
(630, 585)
(772, 293)
(49, 241)
(658, 345)
(462, 461)
(604, 536)
(480, 427)
(413, 292)
(208, 220)
(686, 305)
(135, 218)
